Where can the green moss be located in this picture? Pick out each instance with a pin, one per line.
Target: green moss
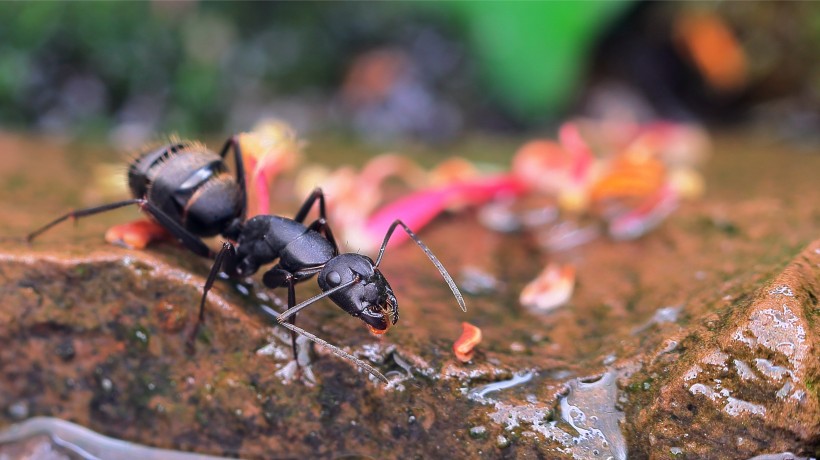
(813, 387)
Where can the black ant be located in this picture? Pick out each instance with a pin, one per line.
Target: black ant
(187, 189)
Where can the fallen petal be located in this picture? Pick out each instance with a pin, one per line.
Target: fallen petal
(271, 148)
(570, 136)
(137, 234)
(543, 165)
(470, 337)
(420, 208)
(552, 288)
(645, 217)
(456, 169)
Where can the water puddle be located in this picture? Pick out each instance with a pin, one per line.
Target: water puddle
(585, 423)
(46, 437)
(479, 394)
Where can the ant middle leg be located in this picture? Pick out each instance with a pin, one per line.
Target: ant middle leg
(233, 142)
(316, 194)
(320, 225)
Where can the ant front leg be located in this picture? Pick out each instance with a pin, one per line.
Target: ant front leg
(283, 318)
(277, 277)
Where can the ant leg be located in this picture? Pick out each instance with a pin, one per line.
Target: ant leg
(447, 278)
(316, 194)
(274, 278)
(191, 241)
(336, 350)
(233, 141)
(227, 251)
(82, 213)
(188, 239)
(320, 225)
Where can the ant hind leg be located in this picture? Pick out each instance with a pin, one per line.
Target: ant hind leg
(76, 214)
(227, 252)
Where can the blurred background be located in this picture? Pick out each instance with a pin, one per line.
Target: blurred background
(383, 72)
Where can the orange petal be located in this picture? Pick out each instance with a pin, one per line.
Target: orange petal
(454, 169)
(631, 175)
(137, 234)
(543, 165)
(552, 288)
(375, 331)
(470, 337)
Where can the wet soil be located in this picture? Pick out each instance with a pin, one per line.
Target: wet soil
(699, 340)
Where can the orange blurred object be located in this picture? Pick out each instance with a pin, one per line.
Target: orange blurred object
(552, 288)
(630, 176)
(543, 165)
(470, 337)
(375, 331)
(713, 48)
(137, 234)
(372, 75)
(454, 169)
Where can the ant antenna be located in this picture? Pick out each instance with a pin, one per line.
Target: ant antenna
(447, 278)
(282, 318)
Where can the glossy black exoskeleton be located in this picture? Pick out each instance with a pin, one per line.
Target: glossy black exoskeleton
(187, 189)
(351, 281)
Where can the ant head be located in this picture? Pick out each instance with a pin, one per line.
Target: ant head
(370, 299)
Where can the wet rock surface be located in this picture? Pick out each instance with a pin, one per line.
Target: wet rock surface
(699, 340)
(746, 381)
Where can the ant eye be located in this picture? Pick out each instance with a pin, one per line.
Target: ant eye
(333, 278)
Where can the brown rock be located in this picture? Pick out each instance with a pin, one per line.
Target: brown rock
(750, 384)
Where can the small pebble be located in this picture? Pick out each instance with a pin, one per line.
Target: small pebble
(18, 410)
(66, 351)
(478, 432)
(502, 442)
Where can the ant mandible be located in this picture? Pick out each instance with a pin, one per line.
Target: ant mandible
(187, 189)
